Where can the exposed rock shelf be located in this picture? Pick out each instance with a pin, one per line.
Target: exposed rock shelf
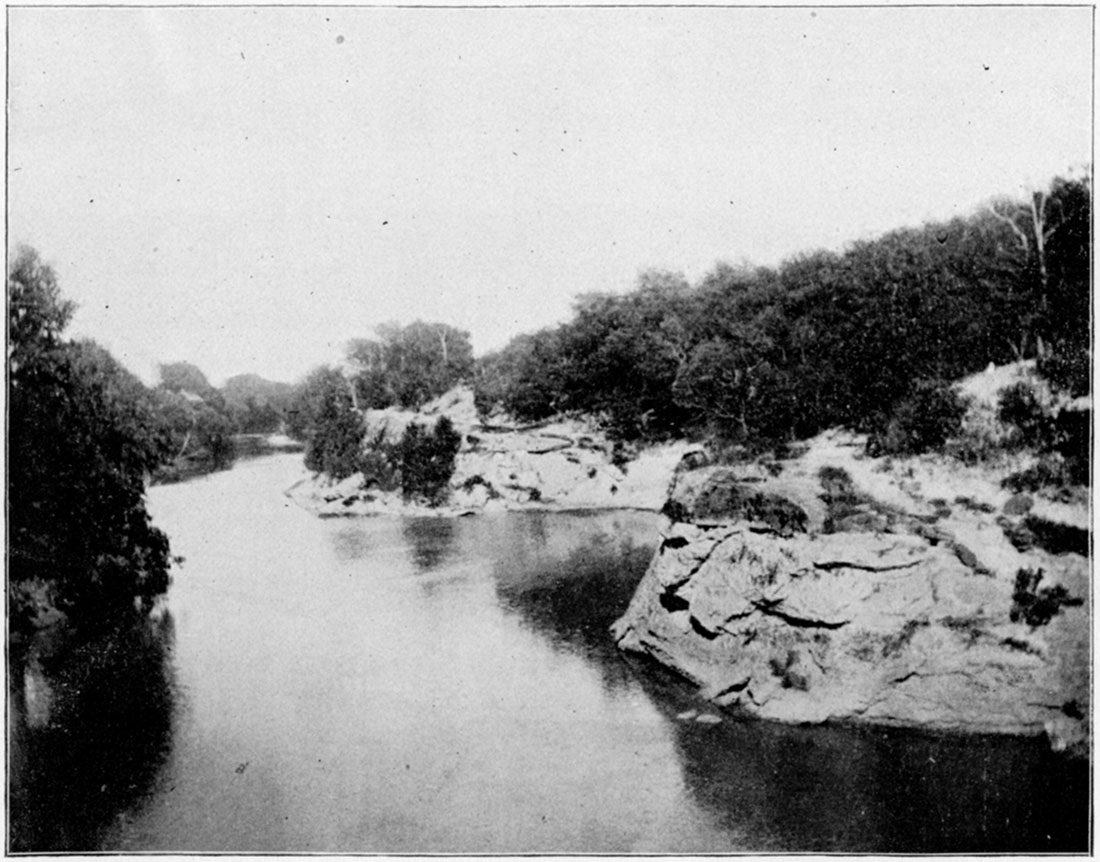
(801, 597)
(561, 465)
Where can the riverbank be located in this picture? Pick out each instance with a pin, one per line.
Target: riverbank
(828, 587)
(556, 466)
(910, 592)
(189, 467)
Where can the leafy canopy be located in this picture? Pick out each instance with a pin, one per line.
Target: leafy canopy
(83, 434)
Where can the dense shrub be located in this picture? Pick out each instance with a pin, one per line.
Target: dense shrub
(428, 460)
(1068, 369)
(380, 463)
(1050, 471)
(922, 422)
(1035, 606)
(1061, 435)
(1019, 407)
(333, 427)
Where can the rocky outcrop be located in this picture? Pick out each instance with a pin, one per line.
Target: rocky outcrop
(791, 593)
(561, 465)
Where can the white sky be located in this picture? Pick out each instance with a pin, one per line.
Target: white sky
(247, 189)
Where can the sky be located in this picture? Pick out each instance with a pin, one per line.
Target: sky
(249, 188)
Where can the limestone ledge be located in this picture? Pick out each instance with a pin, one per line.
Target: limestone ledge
(795, 594)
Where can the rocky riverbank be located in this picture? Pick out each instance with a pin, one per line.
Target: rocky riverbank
(828, 587)
(906, 592)
(563, 465)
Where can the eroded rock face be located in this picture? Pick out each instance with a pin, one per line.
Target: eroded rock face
(562, 465)
(775, 618)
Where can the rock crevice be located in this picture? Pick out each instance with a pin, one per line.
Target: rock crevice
(801, 622)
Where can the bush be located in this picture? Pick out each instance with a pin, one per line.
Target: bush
(1034, 606)
(1066, 433)
(922, 422)
(1067, 369)
(333, 447)
(1049, 471)
(1020, 408)
(215, 437)
(380, 463)
(428, 460)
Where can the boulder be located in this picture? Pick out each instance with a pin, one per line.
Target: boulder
(774, 618)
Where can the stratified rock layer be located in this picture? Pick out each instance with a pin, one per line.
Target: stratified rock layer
(784, 598)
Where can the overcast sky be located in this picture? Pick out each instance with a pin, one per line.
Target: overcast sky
(247, 189)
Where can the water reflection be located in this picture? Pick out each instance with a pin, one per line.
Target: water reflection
(832, 789)
(351, 542)
(573, 599)
(88, 733)
(431, 541)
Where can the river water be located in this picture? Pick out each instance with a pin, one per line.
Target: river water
(431, 685)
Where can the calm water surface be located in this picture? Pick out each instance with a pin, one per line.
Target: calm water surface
(429, 685)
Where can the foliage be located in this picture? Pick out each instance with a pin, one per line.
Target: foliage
(255, 405)
(36, 312)
(185, 377)
(1019, 407)
(1035, 606)
(380, 463)
(428, 459)
(1049, 471)
(1068, 368)
(824, 339)
(409, 365)
(83, 433)
(1051, 431)
(922, 422)
(323, 413)
(195, 421)
(526, 378)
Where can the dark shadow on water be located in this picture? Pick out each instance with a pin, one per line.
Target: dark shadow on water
(431, 541)
(88, 734)
(351, 542)
(574, 599)
(866, 790)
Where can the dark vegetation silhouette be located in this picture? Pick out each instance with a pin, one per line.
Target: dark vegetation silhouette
(324, 416)
(427, 460)
(83, 434)
(755, 356)
(866, 338)
(194, 414)
(407, 366)
(256, 405)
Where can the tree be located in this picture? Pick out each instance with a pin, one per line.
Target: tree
(324, 415)
(256, 405)
(1049, 229)
(83, 433)
(184, 377)
(195, 417)
(409, 365)
(36, 312)
(428, 459)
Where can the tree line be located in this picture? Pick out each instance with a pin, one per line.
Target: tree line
(759, 356)
(83, 436)
(771, 354)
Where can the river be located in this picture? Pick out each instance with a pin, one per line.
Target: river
(434, 685)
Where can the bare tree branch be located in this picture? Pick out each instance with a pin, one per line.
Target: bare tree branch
(1020, 235)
